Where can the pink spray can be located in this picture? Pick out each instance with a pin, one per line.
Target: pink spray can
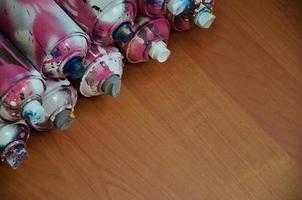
(59, 102)
(150, 40)
(208, 3)
(104, 69)
(197, 13)
(13, 137)
(105, 21)
(21, 86)
(188, 12)
(45, 34)
(157, 8)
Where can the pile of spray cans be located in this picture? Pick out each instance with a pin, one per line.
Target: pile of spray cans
(53, 50)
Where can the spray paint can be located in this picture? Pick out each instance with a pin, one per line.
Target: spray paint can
(13, 137)
(195, 14)
(104, 69)
(150, 40)
(208, 3)
(21, 86)
(182, 14)
(46, 36)
(157, 8)
(105, 21)
(59, 102)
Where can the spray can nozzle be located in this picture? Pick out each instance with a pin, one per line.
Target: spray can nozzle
(64, 119)
(124, 32)
(176, 7)
(74, 68)
(204, 18)
(159, 51)
(112, 86)
(33, 112)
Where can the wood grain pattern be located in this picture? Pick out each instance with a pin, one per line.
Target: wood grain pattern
(221, 120)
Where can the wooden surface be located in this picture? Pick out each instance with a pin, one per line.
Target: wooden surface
(221, 120)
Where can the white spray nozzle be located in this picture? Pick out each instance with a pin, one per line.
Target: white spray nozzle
(204, 18)
(159, 51)
(177, 6)
(33, 111)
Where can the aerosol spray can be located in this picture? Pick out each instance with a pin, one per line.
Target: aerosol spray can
(21, 86)
(195, 14)
(150, 40)
(183, 14)
(104, 69)
(105, 21)
(45, 34)
(157, 8)
(13, 137)
(59, 102)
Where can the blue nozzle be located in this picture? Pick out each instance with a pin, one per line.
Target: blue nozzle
(124, 32)
(74, 68)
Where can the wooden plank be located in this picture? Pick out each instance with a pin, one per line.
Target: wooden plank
(220, 120)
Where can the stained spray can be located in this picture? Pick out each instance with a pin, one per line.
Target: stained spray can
(59, 102)
(104, 69)
(197, 13)
(13, 137)
(105, 21)
(45, 34)
(21, 86)
(150, 40)
(183, 14)
(208, 3)
(159, 8)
